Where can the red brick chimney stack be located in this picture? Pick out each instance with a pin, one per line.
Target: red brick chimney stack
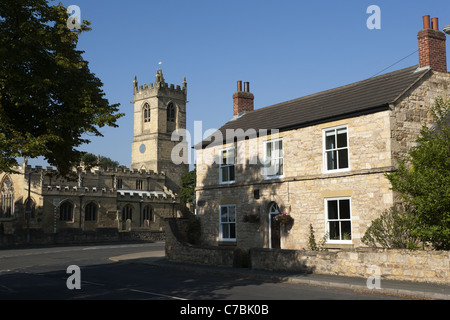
(432, 51)
(242, 100)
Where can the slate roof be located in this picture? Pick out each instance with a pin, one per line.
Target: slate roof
(363, 97)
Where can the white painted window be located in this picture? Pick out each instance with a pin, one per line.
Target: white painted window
(335, 153)
(227, 165)
(273, 159)
(227, 224)
(338, 220)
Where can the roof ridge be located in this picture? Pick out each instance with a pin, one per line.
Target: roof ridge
(336, 88)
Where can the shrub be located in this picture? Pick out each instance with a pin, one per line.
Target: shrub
(393, 229)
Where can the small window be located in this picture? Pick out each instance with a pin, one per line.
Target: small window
(146, 111)
(147, 214)
(139, 184)
(7, 199)
(227, 165)
(66, 211)
(170, 112)
(228, 223)
(336, 149)
(127, 213)
(90, 212)
(273, 155)
(338, 215)
(119, 183)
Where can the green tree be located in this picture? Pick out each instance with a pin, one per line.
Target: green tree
(49, 99)
(423, 180)
(188, 184)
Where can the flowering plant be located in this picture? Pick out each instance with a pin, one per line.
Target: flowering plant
(283, 217)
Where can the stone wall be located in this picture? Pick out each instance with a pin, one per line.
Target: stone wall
(418, 266)
(179, 250)
(75, 235)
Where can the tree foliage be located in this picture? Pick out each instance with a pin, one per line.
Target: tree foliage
(423, 180)
(49, 99)
(188, 184)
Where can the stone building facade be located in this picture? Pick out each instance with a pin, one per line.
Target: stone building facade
(320, 159)
(140, 197)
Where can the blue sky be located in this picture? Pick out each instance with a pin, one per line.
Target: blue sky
(285, 49)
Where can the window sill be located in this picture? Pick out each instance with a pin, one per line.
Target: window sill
(227, 182)
(339, 245)
(227, 243)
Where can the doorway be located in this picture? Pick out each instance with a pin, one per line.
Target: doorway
(274, 227)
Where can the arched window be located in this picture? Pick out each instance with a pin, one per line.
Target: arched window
(274, 208)
(170, 112)
(90, 212)
(146, 111)
(66, 211)
(127, 213)
(147, 214)
(7, 199)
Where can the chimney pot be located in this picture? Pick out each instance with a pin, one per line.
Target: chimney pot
(426, 22)
(247, 86)
(239, 86)
(435, 24)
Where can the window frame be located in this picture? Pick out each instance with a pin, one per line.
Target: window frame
(266, 159)
(63, 214)
(171, 115)
(228, 223)
(146, 113)
(339, 220)
(325, 150)
(228, 166)
(93, 212)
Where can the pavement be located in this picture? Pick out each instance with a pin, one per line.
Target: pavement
(406, 289)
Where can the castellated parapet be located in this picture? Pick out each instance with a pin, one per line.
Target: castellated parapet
(159, 87)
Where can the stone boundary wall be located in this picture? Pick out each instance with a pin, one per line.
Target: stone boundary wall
(179, 250)
(393, 264)
(71, 236)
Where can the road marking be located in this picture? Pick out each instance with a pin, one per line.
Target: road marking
(157, 294)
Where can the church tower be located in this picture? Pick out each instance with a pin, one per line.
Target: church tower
(159, 110)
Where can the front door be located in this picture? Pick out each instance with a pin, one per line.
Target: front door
(274, 225)
(274, 232)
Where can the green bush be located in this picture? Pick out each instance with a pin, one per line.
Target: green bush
(393, 229)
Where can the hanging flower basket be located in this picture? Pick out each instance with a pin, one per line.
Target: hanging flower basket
(252, 218)
(284, 218)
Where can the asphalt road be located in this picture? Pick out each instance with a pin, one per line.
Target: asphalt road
(41, 274)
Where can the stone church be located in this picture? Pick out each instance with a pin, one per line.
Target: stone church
(135, 198)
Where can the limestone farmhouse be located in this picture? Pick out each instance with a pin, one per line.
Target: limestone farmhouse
(319, 159)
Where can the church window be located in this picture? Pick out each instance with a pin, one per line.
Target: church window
(146, 113)
(90, 212)
(147, 214)
(66, 211)
(170, 112)
(7, 199)
(139, 184)
(127, 213)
